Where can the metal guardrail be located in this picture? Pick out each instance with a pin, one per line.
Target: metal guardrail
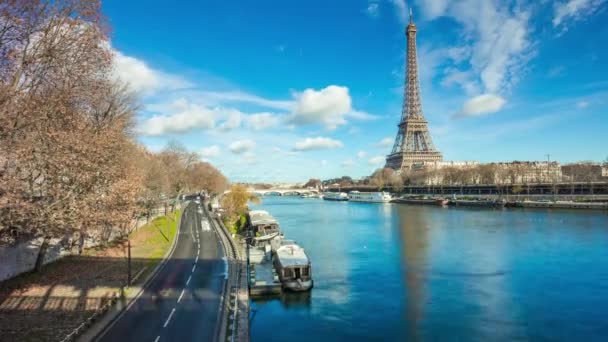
(231, 287)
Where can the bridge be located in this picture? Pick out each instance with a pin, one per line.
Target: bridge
(283, 192)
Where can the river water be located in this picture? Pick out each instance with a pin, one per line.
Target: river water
(396, 272)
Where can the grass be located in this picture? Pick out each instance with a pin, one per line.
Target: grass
(50, 304)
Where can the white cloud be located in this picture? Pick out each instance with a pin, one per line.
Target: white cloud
(262, 121)
(209, 152)
(376, 160)
(361, 115)
(582, 104)
(496, 47)
(401, 10)
(318, 143)
(215, 98)
(482, 104)
(574, 10)
(142, 78)
(386, 142)
(327, 106)
(373, 8)
(232, 121)
(250, 158)
(323, 162)
(186, 116)
(361, 154)
(353, 130)
(241, 146)
(433, 8)
(556, 71)
(347, 163)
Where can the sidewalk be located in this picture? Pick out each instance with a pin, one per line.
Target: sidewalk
(49, 305)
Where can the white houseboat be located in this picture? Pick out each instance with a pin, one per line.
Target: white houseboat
(335, 196)
(293, 267)
(374, 197)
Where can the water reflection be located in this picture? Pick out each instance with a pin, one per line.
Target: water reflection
(413, 234)
(288, 300)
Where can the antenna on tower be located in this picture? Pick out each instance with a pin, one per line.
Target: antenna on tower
(410, 15)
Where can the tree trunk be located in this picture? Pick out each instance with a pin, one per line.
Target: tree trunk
(42, 253)
(80, 243)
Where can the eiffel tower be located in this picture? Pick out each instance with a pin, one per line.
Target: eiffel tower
(413, 145)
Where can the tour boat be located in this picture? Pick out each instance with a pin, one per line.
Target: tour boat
(335, 196)
(293, 267)
(374, 197)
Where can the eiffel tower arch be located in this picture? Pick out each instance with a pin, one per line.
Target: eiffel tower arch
(413, 144)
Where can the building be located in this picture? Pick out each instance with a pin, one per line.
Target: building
(413, 144)
(471, 172)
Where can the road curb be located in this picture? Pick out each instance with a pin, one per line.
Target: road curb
(122, 304)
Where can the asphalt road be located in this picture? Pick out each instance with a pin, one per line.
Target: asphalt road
(183, 300)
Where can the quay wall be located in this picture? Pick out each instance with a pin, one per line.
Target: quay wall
(21, 257)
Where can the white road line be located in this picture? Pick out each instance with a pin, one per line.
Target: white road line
(188, 281)
(169, 318)
(181, 295)
(225, 267)
(193, 268)
(196, 259)
(157, 338)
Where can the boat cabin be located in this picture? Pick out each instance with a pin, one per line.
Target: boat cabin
(262, 223)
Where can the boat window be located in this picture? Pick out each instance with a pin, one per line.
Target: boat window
(288, 273)
(305, 272)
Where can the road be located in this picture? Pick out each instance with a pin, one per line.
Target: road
(182, 301)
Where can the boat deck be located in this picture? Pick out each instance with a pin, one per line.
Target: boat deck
(263, 278)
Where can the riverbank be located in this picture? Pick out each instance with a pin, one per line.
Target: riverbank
(50, 304)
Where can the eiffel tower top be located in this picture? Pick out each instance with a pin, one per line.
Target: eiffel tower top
(412, 103)
(411, 26)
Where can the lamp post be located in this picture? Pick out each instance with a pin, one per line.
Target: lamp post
(129, 262)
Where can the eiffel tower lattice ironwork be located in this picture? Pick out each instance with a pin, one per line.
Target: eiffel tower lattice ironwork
(413, 144)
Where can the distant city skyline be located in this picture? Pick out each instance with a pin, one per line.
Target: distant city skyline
(283, 92)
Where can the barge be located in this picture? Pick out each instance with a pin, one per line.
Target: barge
(426, 201)
(500, 203)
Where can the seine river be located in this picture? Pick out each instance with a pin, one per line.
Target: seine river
(396, 272)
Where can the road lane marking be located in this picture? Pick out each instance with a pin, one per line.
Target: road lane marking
(188, 281)
(193, 268)
(196, 259)
(169, 318)
(157, 338)
(181, 295)
(225, 267)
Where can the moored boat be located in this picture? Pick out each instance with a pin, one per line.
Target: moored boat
(263, 223)
(293, 267)
(500, 203)
(562, 204)
(373, 197)
(427, 201)
(335, 196)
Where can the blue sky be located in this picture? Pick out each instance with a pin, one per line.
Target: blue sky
(290, 90)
